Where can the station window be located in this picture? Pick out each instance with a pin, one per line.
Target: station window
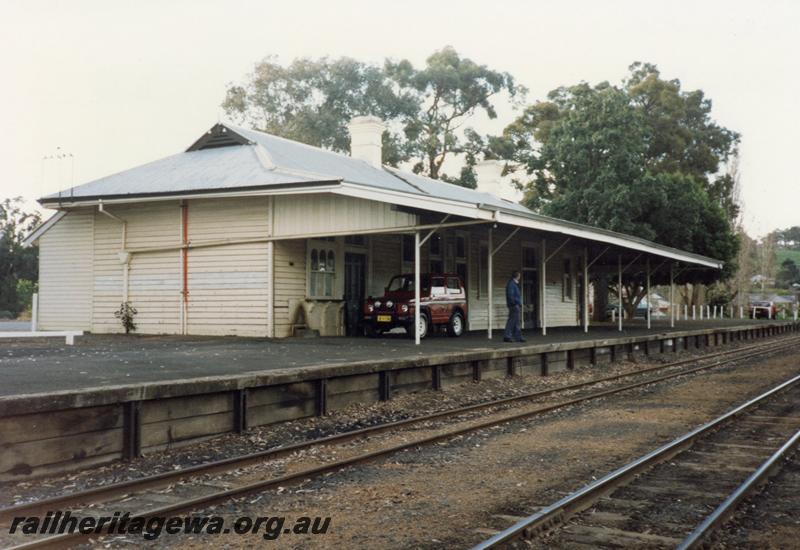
(321, 271)
(483, 272)
(435, 254)
(566, 287)
(528, 258)
(461, 247)
(436, 245)
(408, 249)
(356, 240)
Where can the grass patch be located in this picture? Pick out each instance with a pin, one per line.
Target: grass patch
(784, 253)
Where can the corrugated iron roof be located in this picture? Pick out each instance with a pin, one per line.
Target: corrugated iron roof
(208, 169)
(268, 161)
(262, 160)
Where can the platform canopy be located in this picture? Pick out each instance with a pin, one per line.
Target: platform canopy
(230, 161)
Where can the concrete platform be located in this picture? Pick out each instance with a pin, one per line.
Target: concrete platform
(102, 361)
(111, 397)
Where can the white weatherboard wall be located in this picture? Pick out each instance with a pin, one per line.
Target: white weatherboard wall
(319, 214)
(229, 285)
(290, 283)
(155, 277)
(65, 273)
(154, 280)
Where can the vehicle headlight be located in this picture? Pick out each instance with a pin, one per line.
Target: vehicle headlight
(389, 304)
(370, 308)
(404, 308)
(377, 304)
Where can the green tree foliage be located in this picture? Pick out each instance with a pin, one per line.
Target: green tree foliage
(789, 238)
(449, 89)
(16, 262)
(788, 275)
(641, 158)
(313, 100)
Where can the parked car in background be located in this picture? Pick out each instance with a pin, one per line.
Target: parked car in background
(765, 309)
(443, 304)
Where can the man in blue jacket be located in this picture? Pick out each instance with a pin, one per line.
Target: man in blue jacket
(514, 303)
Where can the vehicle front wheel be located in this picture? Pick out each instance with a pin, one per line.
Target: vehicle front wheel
(455, 327)
(424, 325)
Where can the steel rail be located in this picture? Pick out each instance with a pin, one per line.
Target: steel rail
(65, 540)
(724, 510)
(97, 494)
(158, 480)
(579, 499)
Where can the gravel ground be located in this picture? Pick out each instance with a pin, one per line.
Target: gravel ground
(353, 417)
(440, 496)
(447, 495)
(465, 482)
(769, 519)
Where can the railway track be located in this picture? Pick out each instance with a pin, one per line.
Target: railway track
(114, 496)
(674, 496)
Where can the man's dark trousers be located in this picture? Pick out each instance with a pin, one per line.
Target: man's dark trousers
(514, 303)
(513, 332)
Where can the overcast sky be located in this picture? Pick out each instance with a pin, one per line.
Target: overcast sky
(118, 84)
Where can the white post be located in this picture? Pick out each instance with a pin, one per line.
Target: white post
(613, 315)
(795, 313)
(416, 288)
(490, 312)
(35, 312)
(694, 312)
(741, 312)
(715, 312)
(648, 293)
(730, 311)
(619, 289)
(672, 296)
(543, 298)
(701, 312)
(685, 312)
(585, 289)
(708, 312)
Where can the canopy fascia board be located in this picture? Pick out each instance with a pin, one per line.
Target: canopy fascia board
(598, 236)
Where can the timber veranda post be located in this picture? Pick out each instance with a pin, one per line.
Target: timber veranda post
(490, 310)
(416, 289)
(543, 297)
(672, 295)
(585, 289)
(648, 293)
(619, 290)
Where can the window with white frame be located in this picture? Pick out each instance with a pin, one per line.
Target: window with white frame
(321, 264)
(566, 281)
(461, 257)
(435, 263)
(483, 271)
(407, 253)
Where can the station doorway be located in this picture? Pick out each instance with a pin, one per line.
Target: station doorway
(355, 269)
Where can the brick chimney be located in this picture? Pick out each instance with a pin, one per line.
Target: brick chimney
(365, 139)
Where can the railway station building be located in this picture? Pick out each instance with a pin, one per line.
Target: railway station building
(249, 234)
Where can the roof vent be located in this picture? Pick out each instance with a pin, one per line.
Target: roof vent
(218, 136)
(366, 133)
